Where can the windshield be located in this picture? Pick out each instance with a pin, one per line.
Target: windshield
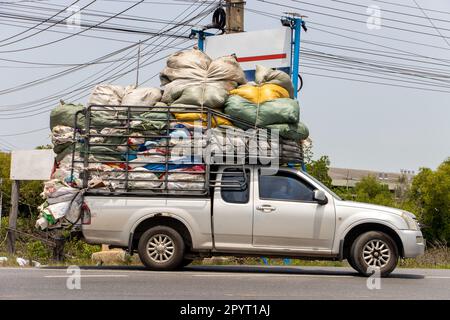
(322, 185)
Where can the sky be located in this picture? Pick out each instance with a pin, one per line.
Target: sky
(357, 124)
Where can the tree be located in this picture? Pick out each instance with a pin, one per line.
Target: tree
(370, 190)
(430, 196)
(319, 169)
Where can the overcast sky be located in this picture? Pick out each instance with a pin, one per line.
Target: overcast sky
(357, 124)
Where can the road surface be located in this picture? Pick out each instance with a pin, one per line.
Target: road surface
(220, 282)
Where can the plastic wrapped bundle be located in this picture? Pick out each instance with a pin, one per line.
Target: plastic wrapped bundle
(107, 94)
(192, 78)
(278, 111)
(141, 96)
(260, 93)
(264, 75)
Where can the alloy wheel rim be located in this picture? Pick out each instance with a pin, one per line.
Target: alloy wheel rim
(376, 253)
(160, 248)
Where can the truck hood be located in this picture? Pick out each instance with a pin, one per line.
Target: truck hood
(368, 206)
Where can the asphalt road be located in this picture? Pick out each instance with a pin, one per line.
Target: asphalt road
(220, 282)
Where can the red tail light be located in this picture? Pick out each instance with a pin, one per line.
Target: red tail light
(86, 212)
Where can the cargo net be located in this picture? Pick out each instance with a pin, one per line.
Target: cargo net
(142, 150)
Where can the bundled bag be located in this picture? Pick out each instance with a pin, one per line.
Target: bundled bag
(265, 75)
(107, 94)
(141, 96)
(192, 118)
(64, 115)
(296, 131)
(278, 111)
(193, 78)
(260, 93)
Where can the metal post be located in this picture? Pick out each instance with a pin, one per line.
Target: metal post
(201, 40)
(296, 60)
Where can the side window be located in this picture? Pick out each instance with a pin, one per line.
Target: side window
(235, 194)
(285, 186)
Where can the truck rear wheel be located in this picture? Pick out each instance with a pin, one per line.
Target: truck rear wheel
(372, 250)
(161, 248)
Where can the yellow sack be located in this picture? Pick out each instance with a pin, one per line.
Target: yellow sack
(192, 117)
(262, 93)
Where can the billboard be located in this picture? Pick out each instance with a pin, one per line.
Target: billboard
(270, 48)
(31, 164)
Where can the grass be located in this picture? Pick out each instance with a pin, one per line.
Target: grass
(77, 252)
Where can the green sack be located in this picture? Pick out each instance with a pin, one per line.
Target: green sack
(283, 110)
(206, 95)
(64, 115)
(62, 150)
(298, 131)
(150, 121)
(103, 153)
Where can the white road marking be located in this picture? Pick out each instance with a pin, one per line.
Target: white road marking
(92, 276)
(436, 277)
(273, 275)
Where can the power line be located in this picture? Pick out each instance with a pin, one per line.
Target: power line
(372, 82)
(73, 35)
(23, 133)
(346, 18)
(364, 15)
(37, 25)
(432, 23)
(412, 7)
(391, 11)
(111, 78)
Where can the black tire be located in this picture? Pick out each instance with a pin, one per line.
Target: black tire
(173, 248)
(351, 262)
(380, 242)
(185, 262)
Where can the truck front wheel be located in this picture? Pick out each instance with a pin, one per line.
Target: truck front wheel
(374, 250)
(161, 248)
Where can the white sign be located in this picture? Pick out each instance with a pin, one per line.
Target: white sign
(32, 164)
(270, 48)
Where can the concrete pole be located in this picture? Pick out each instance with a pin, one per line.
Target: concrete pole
(13, 216)
(235, 16)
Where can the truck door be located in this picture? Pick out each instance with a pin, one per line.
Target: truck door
(233, 211)
(287, 216)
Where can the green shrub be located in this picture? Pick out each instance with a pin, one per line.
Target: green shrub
(36, 250)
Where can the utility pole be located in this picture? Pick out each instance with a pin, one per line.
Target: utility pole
(138, 64)
(1, 200)
(235, 16)
(13, 216)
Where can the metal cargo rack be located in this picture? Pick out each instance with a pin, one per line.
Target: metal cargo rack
(164, 176)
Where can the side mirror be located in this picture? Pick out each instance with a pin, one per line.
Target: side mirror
(320, 197)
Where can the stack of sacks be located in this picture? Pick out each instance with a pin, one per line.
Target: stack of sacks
(112, 174)
(268, 103)
(191, 78)
(66, 175)
(61, 201)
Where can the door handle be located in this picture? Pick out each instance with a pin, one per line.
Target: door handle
(265, 208)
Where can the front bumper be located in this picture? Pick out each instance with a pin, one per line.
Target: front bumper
(413, 243)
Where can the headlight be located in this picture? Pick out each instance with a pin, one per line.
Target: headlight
(411, 222)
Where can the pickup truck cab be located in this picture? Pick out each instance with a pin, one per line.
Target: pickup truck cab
(287, 214)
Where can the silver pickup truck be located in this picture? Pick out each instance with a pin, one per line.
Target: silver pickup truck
(287, 214)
